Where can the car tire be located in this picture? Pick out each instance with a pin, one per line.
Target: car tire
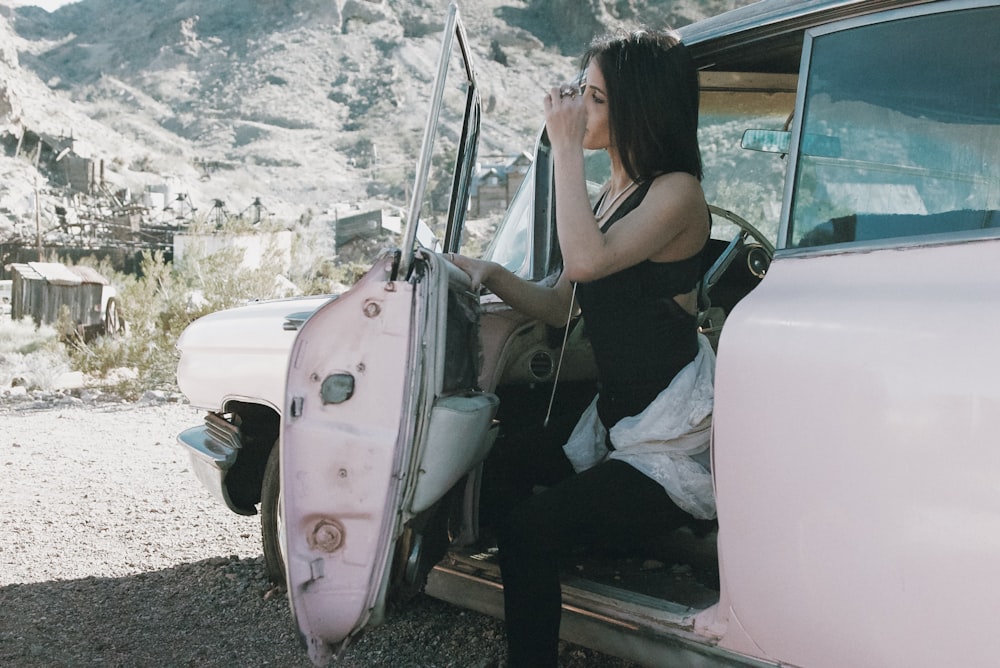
(270, 526)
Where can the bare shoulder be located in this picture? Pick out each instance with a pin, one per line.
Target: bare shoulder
(678, 188)
(683, 210)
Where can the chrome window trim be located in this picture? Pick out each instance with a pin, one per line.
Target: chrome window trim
(894, 243)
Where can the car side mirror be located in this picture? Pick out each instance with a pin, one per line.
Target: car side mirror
(766, 141)
(778, 141)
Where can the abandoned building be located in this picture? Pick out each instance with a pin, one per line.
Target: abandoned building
(494, 185)
(42, 290)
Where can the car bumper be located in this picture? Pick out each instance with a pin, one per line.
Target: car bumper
(212, 449)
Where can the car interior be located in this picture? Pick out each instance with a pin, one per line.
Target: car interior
(544, 377)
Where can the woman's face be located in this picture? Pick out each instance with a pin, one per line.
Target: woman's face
(598, 134)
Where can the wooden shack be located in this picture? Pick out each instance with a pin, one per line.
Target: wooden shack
(358, 226)
(40, 289)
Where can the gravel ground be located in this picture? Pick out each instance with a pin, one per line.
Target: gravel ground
(112, 554)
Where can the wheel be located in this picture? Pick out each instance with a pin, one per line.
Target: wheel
(758, 261)
(270, 518)
(423, 544)
(112, 321)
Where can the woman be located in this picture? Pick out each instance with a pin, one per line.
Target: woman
(635, 261)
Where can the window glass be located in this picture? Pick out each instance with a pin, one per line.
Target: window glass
(512, 245)
(443, 173)
(748, 183)
(901, 131)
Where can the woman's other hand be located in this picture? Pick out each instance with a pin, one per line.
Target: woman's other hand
(565, 115)
(548, 303)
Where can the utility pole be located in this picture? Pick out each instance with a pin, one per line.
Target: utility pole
(38, 223)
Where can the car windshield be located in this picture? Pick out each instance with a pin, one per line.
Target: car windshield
(902, 138)
(512, 245)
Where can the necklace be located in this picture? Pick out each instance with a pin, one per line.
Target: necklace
(603, 210)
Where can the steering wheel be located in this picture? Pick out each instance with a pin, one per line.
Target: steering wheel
(757, 261)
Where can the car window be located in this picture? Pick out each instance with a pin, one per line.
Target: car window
(901, 138)
(443, 175)
(748, 183)
(512, 246)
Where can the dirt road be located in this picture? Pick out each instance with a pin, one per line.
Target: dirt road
(112, 554)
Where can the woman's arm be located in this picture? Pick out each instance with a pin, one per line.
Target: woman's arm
(671, 223)
(549, 304)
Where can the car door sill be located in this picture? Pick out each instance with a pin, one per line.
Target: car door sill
(621, 623)
(610, 619)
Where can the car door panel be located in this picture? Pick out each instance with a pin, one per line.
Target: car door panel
(341, 463)
(855, 456)
(380, 383)
(459, 437)
(455, 425)
(856, 399)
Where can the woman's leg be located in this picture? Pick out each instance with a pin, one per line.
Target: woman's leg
(527, 457)
(611, 505)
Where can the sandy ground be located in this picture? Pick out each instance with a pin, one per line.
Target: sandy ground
(112, 554)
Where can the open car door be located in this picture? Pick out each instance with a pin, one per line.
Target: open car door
(382, 415)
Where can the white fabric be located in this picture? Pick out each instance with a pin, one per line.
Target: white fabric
(661, 441)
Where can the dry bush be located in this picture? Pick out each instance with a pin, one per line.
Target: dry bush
(160, 301)
(30, 356)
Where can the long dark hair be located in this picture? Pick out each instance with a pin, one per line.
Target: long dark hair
(652, 91)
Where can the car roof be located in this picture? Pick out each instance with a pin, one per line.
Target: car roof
(775, 27)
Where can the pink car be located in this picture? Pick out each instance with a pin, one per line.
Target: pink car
(852, 158)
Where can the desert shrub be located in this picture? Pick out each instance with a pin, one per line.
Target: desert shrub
(142, 163)
(30, 356)
(163, 298)
(147, 351)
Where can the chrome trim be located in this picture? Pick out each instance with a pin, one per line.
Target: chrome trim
(212, 450)
(987, 235)
(761, 19)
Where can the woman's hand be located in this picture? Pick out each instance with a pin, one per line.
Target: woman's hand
(565, 115)
(478, 270)
(548, 303)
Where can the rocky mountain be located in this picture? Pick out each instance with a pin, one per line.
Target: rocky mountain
(304, 104)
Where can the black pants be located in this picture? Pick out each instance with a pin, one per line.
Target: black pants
(611, 505)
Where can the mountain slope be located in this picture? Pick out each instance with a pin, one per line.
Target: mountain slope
(304, 103)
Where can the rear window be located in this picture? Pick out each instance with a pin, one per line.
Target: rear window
(900, 135)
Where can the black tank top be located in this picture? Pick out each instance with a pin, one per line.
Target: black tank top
(641, 337)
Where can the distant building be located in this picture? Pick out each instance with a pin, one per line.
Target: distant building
(41, 289)
(494, 185)
(364, 225)
(81, 174)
